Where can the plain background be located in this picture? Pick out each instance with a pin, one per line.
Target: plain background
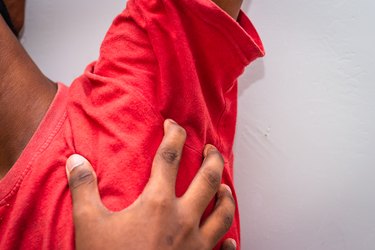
(305, 160)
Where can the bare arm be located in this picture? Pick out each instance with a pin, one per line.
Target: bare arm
(16, 9)
(232, 7)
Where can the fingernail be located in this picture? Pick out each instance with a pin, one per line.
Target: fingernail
(233, 242)
(167, 123)
(74, 161)
(209, 148)
(228, 188)
(172, 121)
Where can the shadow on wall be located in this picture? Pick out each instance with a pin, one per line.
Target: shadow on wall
(254, 73)
(246, 5)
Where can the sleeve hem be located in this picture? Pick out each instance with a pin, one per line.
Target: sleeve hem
(242, 32)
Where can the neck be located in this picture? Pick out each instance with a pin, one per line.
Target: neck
(25, 95)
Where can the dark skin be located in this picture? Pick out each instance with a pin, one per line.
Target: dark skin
(25, 96)
(25, 93)
(16, 9)
(232, 7)
(139, 225)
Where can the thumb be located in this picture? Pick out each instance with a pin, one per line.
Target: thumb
(83, 186)
(229, 244)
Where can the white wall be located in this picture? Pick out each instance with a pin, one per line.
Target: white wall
(64, 36)
(305, 160)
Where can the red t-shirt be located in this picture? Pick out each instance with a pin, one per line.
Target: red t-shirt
(160, 59)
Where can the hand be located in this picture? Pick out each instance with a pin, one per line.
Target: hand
(232, 7)
(157, 219)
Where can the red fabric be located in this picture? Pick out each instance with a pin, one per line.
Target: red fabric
(160, 59)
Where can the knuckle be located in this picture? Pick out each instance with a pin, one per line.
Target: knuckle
(228, 219)
(169, 239)
(160, 203)
(215, 158)
(187, 223)
(227, 216)
(228, 246)
(83, 176)
(225, 195)
(212, 177)
(170, 155)
(227, 203)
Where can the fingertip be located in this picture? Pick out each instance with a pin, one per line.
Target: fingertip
(227, 188)
(229, 244)
(208, 149)
(74, 161)
(172, 127)
(225, 194)
(81, 176)
(233, 243)
(169, 122)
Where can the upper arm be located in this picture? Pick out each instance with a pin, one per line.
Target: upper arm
(166, 59)
(231, 7)
(16, 9)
